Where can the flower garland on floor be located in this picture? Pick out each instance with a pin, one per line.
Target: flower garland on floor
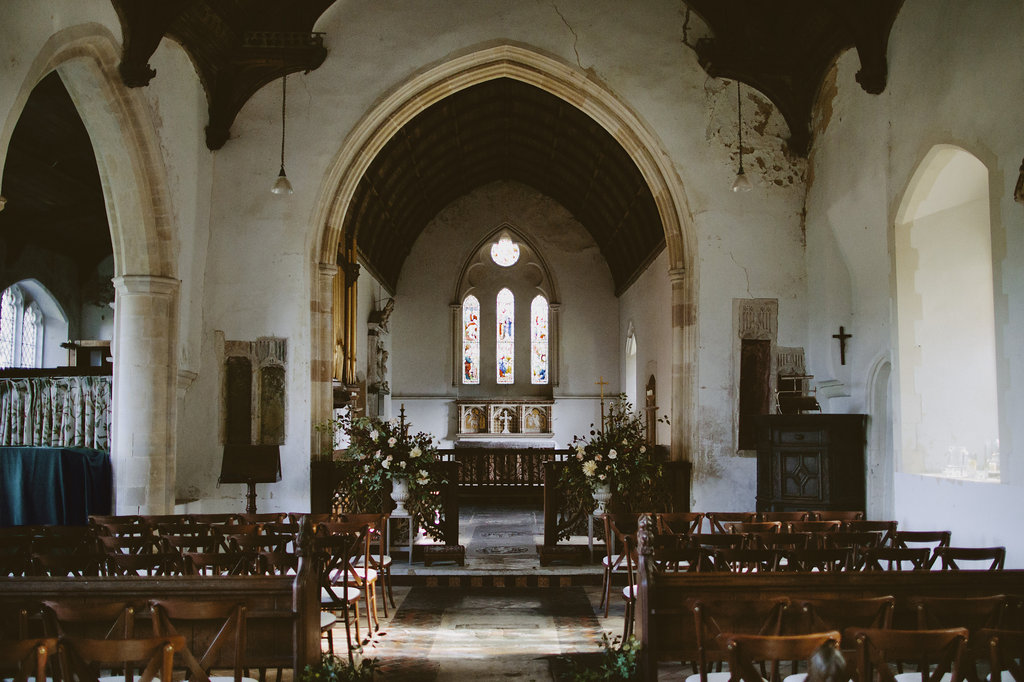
(379, 452)
(618, 455)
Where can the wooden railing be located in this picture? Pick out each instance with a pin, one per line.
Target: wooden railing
(503, 472)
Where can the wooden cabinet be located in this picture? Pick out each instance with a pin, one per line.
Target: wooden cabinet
(810, 461)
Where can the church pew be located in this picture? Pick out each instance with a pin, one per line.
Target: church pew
(283, 611)
(665, 626)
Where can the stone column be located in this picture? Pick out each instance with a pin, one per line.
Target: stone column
(554, 339)
(684, 339)
(456, 315)
(145, 381)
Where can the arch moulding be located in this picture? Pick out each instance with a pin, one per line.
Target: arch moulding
(589, 96)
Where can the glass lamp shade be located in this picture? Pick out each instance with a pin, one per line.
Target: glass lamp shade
(281, 185)
(741, 183)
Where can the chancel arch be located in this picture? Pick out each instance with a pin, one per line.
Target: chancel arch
(948, 397)
(572, 86)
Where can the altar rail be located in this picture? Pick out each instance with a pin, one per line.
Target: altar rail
(484, 473)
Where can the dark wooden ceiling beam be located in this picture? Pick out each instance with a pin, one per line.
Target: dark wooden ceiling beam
(236, 46)
(784, 49)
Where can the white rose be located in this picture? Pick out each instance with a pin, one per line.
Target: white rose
(374, 435)
(415, 452)
(597, 458)
(386, 463)
(643, 449)
(391, 442)
(602, 477)
(401, 464)
(612, 454)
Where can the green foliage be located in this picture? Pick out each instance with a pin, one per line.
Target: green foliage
(617, 454)
(619, 662)
(336, 669)
(380, 451)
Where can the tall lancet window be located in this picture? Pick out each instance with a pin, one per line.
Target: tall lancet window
(506, 336)
(29, 336)
(7, 321)
(539, 340)
(471, 340)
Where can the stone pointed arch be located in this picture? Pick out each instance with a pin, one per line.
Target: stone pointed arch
(575, 87)
(134, 183)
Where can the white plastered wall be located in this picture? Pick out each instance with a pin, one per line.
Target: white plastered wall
(944, 57)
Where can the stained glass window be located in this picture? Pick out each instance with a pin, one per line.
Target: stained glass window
(471, 340)
(505, 252)
(7, 315)
(539, 340)
(506, 336)
(29, 336)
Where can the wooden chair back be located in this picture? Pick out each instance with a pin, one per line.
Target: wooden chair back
(679, 523)
(817, 615)
(951, 558)
(813, 559)
(82, 657)
(784, 517)
(231, 637)
(841, 516)
(738, 616)
(746, 560)
(885, 528)
(25, 658)
(748, 654)
(895, 558)
(109, 620)
(936, 652)
(717, 520)
(1006, 652)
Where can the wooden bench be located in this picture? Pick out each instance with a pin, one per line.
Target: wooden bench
(665, 626)
(283, 611)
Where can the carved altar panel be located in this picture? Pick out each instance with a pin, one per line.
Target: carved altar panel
(505, 418)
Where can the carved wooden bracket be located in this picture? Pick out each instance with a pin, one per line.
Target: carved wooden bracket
(785, 49)
(236, 46)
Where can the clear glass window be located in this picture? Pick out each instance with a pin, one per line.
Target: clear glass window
(8, 314)
(505, 252)
(29, 336)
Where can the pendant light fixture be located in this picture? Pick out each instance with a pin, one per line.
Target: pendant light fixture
(281, 185)
(741, 183)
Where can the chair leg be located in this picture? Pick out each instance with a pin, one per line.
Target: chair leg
(391, 594)
(606, 591)
(627, 625)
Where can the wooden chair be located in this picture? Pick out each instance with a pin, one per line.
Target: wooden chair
(895, 558)
(973, 613)
(363, 577)
(747, 560)
(378, 559)
(950, 558)
(841, 516)
(1006, 653)
(737, 616)
(930, 539)
(817, 615)
(744, 527)
(82, 658)
(333, 553)
(111, 620)
(139, 556)
(616, 528)
(886, 528)
(231, 634)
(679, 523)
(817, 560)
(936, 652)
(785, 517)
(816, 528)
(27, 658)
(72, 551)
(718, 520)
(748, 654)
(856, 542)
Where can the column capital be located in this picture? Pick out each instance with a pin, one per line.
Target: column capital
(146, 284)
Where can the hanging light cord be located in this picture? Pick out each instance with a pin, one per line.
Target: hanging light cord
(739, 125)
(284, 101)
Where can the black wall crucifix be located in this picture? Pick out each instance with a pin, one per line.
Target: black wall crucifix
(842, 336)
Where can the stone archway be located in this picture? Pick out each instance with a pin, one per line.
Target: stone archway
(134, 184)
(575, 87)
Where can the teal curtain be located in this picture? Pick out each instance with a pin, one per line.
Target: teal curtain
(56, 412)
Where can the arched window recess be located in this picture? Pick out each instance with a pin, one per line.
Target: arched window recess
(505, 320)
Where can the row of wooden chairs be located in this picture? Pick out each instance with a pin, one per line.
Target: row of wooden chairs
(976, 629)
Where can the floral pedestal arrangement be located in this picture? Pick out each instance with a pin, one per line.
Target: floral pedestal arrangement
(399, 494)
(602, 495)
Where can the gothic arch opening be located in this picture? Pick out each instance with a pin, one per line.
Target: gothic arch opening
(948, 398)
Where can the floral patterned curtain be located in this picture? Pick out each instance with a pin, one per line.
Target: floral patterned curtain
(56, 412)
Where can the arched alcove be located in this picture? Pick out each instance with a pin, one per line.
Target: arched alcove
(945, 319)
